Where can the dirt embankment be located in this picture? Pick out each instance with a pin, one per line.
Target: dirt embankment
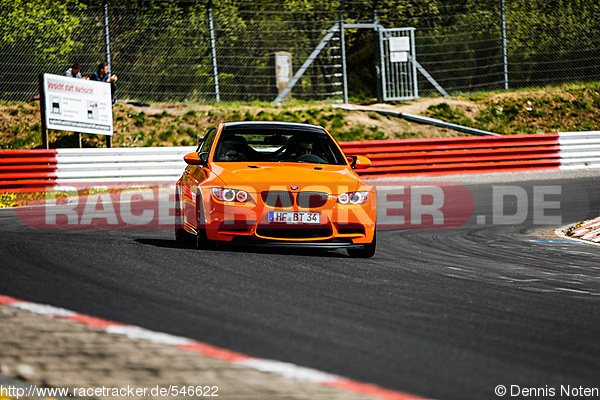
(565, 108)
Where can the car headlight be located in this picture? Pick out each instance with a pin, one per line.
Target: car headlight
(353, 198)
(226, 194)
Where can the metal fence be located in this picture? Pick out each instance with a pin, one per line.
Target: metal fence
(210, 50)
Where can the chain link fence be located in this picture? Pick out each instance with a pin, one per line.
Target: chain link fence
(210, 50)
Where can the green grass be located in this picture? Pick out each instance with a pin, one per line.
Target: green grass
(572, 107)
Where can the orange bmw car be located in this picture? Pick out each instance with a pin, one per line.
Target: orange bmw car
(275, 184)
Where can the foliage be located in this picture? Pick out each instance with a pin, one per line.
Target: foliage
(161, 49)
(28, 35)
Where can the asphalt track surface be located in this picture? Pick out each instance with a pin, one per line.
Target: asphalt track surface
(440, 313)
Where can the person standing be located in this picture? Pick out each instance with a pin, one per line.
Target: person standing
(75, 72)
(101, 75)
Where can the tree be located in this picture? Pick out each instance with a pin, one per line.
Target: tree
(36, 36)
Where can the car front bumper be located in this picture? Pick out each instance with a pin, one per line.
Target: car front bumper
(339, 226)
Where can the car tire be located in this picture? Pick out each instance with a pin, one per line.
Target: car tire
(367, 251)
(184, 237)
(202, 241)
(181, 235)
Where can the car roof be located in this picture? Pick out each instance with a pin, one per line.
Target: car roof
(271, 125)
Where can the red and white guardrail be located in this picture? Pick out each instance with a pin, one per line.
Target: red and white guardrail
(458, 154)
(29, 170)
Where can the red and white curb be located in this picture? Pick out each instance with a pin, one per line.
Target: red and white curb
(587, 231)
(284, 369)
(590, 230)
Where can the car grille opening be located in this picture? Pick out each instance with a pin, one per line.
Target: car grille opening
(283, 199)
(312, 199)
(350, 229)
(293, 232)
(236, 226)
(278, 198)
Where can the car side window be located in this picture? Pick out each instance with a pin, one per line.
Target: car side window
(207, 143)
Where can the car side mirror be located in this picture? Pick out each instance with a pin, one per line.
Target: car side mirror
(359, 162)
(195, 158)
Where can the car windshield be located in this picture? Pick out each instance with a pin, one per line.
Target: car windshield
(259, 144)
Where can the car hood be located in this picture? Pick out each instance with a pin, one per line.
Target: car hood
(258, 178)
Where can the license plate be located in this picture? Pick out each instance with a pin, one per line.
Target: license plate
(295, 217)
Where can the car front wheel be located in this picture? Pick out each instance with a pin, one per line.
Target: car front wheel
(202, 241)
(181, 235)
(367, 251)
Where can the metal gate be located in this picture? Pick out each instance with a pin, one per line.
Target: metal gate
(398, 64)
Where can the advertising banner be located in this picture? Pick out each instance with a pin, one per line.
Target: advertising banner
(78, 105)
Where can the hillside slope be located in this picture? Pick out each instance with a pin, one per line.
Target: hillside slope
(564, 108)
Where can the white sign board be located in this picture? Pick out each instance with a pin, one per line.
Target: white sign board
(283, 64)
(399, 44)
(399, 48)
(78, 105)
(399, 56)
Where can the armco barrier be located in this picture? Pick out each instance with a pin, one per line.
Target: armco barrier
(457, 155)
(121, 164)
(580, 150)
(26, 170)
(29, 170)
